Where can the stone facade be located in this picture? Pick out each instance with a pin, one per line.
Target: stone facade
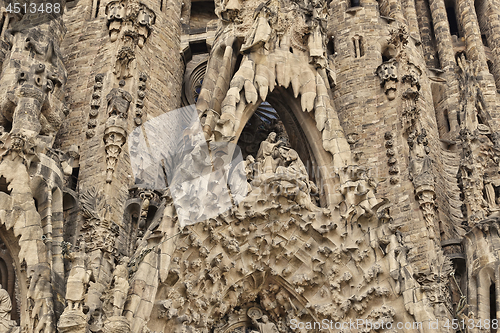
(250, 166)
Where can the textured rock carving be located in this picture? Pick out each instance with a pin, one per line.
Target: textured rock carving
(132, 17)
(32, 104)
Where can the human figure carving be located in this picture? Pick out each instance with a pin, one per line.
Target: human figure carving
(118, 101)
(78, 279)
(121, 285)
(267, 154)
(6, 323)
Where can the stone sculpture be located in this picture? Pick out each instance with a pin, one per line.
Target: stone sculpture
(121, 285)
(6, 324)
(78, 279)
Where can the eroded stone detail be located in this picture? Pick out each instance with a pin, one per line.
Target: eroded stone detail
(131, 17)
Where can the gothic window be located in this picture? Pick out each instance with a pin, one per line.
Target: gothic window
(193, 79)
(73, 179)
(202, 12)
(357, 42)
(95, 8)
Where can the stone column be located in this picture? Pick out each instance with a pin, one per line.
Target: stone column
(423, 15)
(475, 52)
(395, 10)
(446, 56)
(410, 14)
(474, 46)
(493, 17)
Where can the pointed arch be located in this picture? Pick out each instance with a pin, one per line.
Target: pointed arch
(290, 111)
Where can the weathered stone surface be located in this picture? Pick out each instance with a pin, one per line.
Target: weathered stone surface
(341, 163)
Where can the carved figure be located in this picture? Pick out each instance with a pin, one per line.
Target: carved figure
(115, 12)
(6, 324)
(31, 102)
(267, 154)
(118, 101)
(121, 285)
(78, 280)
(387, 72)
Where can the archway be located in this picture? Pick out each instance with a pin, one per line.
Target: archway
(307, 139)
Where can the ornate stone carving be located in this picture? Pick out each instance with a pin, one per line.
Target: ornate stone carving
(115, 133)
(139, 104)
(273, 56)
(478, 171)
(95, 104)
(388, 74)
(121, 285)
(131, 16)
(78, 280)
(32, 103)
(97, 231)
(421, 174)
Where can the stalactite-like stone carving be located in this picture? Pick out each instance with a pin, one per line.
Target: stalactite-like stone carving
(273, 56)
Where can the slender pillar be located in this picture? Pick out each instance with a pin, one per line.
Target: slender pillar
(424, 20)
(474, 46)
(410, 14)
(493, 17)
(446, 56)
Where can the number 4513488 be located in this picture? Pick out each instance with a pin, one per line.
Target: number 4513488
(34, 8)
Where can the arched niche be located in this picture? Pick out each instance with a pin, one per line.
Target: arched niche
(12, 275)
(308, 140)
(131, 216)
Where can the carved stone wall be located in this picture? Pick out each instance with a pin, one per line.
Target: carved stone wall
(368, 188)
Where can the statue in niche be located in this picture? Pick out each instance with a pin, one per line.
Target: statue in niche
(267, 156)
(490, 194)
(121, 285)
(276, 163)
(118, 101)
(6, 324)
(78, 280)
